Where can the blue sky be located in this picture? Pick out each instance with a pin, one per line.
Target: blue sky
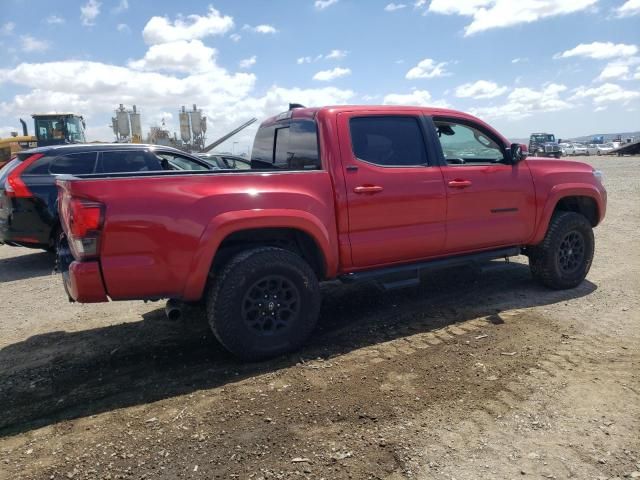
(567, 66)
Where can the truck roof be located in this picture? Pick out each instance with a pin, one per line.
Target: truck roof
(312, 112)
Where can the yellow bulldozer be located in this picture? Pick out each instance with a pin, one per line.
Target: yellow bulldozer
(50, 129)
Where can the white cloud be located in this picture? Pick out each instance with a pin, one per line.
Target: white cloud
(235, 37)
(162, 30)
(123, 27)
(489, 14)
(420, 98)
(122, 6)
(97, 88)
(336, 54)
(523, 102)
(628, 8)
(480, 89)
(392, 7)
(599, 50)
(89, 12)
(427, 68)
(31, 44)
(607, 93)
(54, 20)
(322, 4)
(614, 71)
(248, 62)
(520, 60)
(178, 56)
(7, 28)
(329, 75)
(265, 29)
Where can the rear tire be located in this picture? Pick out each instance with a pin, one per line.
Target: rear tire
(263, 303)
(564, 257)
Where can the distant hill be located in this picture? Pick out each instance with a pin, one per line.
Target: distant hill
(607, 136)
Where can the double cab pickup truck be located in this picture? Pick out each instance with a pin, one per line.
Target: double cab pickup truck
(349, 192)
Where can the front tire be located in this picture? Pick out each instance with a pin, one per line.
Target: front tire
(265, 302)
(564, 257)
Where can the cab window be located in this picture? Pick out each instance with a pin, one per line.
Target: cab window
(388, 141)
(288, 146)
(466, 145)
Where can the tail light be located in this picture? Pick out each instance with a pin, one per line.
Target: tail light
(82, 222)
(14, 186)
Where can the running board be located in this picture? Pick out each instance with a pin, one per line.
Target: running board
(409, 275)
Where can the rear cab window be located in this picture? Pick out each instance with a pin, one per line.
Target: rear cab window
(388, 141)
(287, 145)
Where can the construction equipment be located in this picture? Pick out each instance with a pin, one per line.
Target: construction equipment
(50, 129)
(226, 137)
(58, 128)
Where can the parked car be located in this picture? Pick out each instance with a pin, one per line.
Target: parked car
(579, 149)
(28, 194)
(605, 148)
(352, 193)
(566, 148)
(591, 149)
(225, 162)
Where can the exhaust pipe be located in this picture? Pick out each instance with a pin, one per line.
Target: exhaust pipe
(24, 128)
(173, 309)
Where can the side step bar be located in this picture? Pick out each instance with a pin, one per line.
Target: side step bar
(409, 275)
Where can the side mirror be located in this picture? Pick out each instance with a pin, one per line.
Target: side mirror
(518, 153)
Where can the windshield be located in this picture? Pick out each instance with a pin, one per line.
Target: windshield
(60, 129)
(75, 130)
(544, 138)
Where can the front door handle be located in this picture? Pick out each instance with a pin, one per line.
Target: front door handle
(368, 189)
(457, 183)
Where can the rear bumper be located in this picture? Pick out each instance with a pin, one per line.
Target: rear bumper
(83, 282)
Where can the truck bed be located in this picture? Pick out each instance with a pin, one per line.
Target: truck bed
(161, 229)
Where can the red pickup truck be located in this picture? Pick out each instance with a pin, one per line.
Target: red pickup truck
(348, 192)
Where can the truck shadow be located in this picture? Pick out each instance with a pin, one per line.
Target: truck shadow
(29, 265)
(65, 375)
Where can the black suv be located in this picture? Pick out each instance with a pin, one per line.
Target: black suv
(28, 193)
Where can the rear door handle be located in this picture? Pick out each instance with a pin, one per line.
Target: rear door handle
(368, 189)
(459, 183)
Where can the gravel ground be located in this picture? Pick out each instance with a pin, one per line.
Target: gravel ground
(471, 375)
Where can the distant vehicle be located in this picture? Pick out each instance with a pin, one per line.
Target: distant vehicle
(544, 145)
(591, 149)
(566, 148)
(28, 194)
(352, 193)
(225, 162)
(579, 149)
(605, 148)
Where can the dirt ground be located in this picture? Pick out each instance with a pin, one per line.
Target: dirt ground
(471, 375)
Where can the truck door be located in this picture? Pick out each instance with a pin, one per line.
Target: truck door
(490, 203)
(395, 191)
